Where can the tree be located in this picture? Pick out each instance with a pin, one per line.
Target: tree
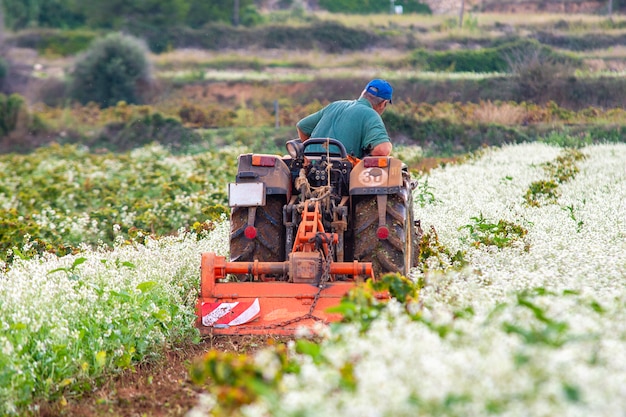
(1, 28)
(22, 14)
(128, 14)
(3, 64)
(65, 14)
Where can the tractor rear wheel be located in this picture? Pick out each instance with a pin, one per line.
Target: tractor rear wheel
(396, 253)
(268, 244)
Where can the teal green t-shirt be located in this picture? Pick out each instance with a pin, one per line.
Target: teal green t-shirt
(352, 122)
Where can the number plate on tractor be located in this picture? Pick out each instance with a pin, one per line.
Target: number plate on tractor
(246, 194)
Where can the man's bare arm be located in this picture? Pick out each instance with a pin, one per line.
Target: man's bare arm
(382, 149)
(303, 136)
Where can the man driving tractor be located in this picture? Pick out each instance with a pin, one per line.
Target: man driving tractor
(355, 123)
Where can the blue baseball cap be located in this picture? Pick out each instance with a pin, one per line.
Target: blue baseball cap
(380, 88)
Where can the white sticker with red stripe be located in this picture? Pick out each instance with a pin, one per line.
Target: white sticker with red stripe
(229, 314)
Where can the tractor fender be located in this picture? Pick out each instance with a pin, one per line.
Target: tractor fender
(378, 175)
(270, 170)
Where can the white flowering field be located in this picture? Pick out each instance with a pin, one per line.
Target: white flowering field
(529, 321)
(534, 327)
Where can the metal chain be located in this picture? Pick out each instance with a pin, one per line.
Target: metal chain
(325, 274)
(323, 280)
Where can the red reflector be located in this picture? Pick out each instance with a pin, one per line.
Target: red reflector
(382, 232)
(263, 160)
(250, 232)
(375, 162)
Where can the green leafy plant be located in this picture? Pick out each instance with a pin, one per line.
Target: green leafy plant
(71, 270)
(155, 195)
(500, 234)
(435, 256)
(362, 304)
(236, 380)
(543, 329)
(572, 215)
(541, 192)
(424, 195)
(561, 170)
(564, 167)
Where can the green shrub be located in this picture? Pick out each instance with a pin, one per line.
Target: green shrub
(54, 41)
(372, 6)
(413, 6)
(323, 35)
(211, 116)
(504, 57)
(483, 60)
(538, 70)
(445, 137)
(113, 69)
(250, 16)
(565, 139)
(66, 43)
(582, 42)
(328, 36)
(142, 129)
(334, 37)
(203, 11)
(13, 113)
(3, 70)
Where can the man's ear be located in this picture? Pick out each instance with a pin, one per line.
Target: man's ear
(380, 107)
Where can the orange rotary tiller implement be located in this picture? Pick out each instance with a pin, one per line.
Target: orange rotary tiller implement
(305, 228)
(268, 306)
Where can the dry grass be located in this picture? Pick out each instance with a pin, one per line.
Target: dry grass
(501, 113)
(440, 27)
(378, 20)
(614, 52)
(432, 22)
(186, 58)
(530, 19)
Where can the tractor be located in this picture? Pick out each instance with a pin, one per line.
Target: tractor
(304, 229)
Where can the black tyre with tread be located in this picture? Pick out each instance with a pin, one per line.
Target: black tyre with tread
(397, 253)
(268, 245)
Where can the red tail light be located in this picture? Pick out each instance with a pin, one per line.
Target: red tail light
(263, 160)
(375, 162)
